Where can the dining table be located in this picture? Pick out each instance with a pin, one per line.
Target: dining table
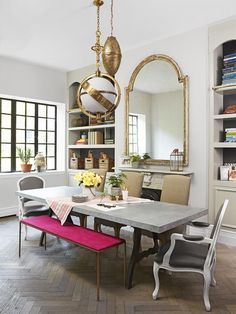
(152, 216)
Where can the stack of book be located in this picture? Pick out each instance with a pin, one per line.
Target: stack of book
(109, 120)
(229, 69)
(109, 141)
(95, 137)
(230, 135)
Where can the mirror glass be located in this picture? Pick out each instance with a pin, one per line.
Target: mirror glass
(156, 102)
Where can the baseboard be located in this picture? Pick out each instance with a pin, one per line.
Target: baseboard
(227, 237)
(8, 211)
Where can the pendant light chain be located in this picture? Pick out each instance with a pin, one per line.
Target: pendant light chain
(97, 47)
(111, 17)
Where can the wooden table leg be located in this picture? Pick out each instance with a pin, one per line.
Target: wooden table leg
(134, 256)
(137, 255)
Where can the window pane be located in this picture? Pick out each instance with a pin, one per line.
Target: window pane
(42, 111)
(41, 137)
(31, 146)
(18, 163)
(6, 121)
(20, 108)
(30, 109)
(51, 124)
(30, 123)
(42, 148)
(51, 112)
(30, 136)
(50, 163)
(22, 146)
(6, 106)
(6, 164)
(51, 137)
(26, 116)
(51, 150)
(20, 136)
(42, 124)
(20, 122)
(6, 150)
(6, 136)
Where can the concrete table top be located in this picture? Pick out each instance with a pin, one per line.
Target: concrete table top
(152, 216)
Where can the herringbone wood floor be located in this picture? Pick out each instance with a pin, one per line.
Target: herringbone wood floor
(62, 280)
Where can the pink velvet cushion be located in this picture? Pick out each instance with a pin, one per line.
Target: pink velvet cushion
(86, 237)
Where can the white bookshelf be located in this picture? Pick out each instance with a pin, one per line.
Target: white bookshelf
(221, 42)
(100, 136)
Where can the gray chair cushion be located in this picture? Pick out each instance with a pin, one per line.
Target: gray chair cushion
(33, 208)
(185, 254)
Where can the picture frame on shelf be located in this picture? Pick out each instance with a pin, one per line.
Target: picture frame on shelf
(232, 173)
(125, 162)
(224, 173)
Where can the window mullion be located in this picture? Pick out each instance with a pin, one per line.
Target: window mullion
(13, 135)
(0, 133)
(36, 130)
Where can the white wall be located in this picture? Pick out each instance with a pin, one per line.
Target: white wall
(190, 51)
(30, 81)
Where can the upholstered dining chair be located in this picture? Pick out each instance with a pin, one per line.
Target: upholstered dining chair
(189, 253)
(133, 183)
(27, 207)
(175, 189)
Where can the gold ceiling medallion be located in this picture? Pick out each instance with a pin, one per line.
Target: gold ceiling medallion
(99, 94)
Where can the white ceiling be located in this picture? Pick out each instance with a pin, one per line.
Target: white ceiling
(59, 33)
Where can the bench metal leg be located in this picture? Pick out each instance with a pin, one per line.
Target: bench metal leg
(19, 239)
(98, 274)
(45, 241)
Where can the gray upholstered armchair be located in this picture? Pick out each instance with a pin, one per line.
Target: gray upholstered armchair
(186, 253)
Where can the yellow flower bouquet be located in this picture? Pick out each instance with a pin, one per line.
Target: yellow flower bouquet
(88, 179)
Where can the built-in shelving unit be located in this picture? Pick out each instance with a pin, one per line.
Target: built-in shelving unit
(221, 151)
(86, 135)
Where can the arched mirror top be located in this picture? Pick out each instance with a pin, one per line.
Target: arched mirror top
(157, 97)
(151, 58)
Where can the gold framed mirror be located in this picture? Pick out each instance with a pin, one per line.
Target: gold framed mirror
(156, 112)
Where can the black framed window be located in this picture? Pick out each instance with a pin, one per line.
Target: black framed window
(26, 124)
(133, 134)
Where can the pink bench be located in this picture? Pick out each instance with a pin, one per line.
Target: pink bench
(84, 237)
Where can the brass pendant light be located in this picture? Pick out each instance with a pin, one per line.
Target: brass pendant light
(99, 94)
(111, 54)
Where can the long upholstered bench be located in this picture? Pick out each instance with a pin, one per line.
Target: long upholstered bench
(81, 236)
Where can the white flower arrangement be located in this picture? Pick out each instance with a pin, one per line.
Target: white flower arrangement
(89, 179)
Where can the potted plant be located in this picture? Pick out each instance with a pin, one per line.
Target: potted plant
(24, 156)
(116, 181)
(146, 156)
(135, 159)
